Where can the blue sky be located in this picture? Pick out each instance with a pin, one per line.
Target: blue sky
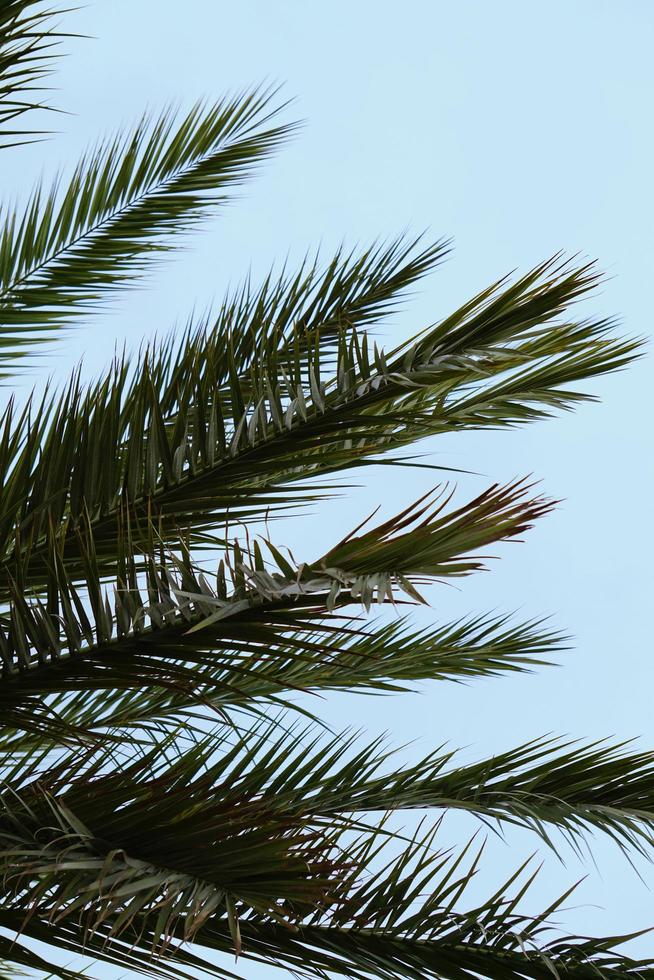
(518, 130)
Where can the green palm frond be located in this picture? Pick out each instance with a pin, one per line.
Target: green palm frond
(262, 663)
(45, 449)
(548, 784)
(465, 954)
(74, 243)
(300, 778)
(163, 851)
(28, 46)
(195, 445)
(321, 952)
(21, 961)
(317, 303)
(18, 960)
(176, 641)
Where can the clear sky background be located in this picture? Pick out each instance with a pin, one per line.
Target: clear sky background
(519, 129)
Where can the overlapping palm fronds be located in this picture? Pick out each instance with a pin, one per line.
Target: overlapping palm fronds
(197, 436)
(263, 628)
(166, 790)
(279, 867)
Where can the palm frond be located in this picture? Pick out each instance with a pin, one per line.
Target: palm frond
(157, 853)
(543, 785)
(174, 641)
(28, 47)
(547, 785)
(209, 448)
(18, 960)
(318, 304)
(321, 952)
(466, 954)
(73, 244)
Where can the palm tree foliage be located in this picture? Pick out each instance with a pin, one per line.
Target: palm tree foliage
(28, 43)
(166, 788)
(73, 242)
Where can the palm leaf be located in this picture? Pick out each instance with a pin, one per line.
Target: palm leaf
(18, 960)
(298, 778)
(174, 641)
(72, 244)
(355, 289)
(158, 852)
(231, 447)
(28, 46)
(322, 952)
(242, 670)
(543, 785)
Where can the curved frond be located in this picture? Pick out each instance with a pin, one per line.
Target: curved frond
(74, 243)
(176, 641)
(264, 662)
(151, 855)
(241, 438)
